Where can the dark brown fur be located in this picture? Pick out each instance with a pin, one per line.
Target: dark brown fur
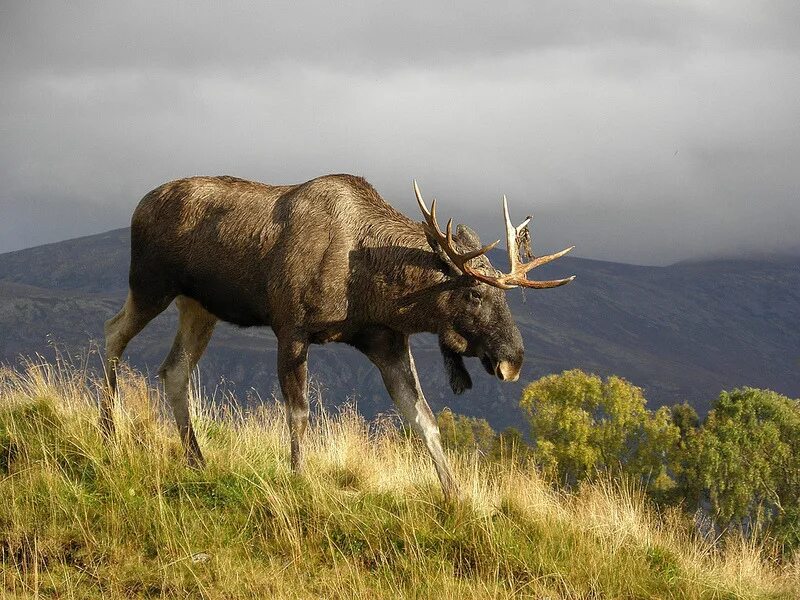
(324, 261)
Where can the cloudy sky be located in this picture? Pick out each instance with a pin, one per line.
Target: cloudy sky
(644, 132)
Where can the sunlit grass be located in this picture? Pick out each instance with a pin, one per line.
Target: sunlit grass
(80, 518)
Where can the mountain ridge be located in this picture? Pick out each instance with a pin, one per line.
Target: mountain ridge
(682, 332)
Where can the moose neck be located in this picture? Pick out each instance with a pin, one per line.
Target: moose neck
(406, 281)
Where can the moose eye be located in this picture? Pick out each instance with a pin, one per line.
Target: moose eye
(474, 296)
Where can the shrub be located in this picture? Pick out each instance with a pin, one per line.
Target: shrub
(746, 460)
(582, 425)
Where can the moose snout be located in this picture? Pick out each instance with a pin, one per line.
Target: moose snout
(507, 371)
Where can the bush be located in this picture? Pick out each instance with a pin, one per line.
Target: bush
(746, 460)
(463, 433)
(741, 465)
(472, 434)
(582, 425)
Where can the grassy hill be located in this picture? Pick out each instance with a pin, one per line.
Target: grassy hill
(79, 519)
(682, 332)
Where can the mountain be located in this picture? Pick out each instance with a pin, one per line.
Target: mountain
(682, 332)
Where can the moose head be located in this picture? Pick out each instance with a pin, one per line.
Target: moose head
(479, 322)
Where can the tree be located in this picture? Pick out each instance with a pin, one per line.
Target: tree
(470, 434)
(582, 424)
(681, 463)
(460, 432)
(746, 458)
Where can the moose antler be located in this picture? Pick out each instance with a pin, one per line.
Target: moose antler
(460, 260)
(516, 277)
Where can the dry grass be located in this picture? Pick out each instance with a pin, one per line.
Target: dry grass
(366, 519)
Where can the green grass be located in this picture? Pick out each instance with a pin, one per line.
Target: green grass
(366, 519)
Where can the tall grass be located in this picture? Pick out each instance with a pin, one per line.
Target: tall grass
(80, 518)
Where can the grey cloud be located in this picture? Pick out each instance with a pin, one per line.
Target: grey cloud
(641, 132)
(114, 35)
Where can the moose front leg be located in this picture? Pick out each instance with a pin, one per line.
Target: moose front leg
(293, 377)
(391, 353)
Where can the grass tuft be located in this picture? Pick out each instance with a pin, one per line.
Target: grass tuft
(80, 518)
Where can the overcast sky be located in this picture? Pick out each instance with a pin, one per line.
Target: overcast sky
(644, 132)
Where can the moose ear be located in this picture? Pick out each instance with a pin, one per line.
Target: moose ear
(467, 238)
(457, 373)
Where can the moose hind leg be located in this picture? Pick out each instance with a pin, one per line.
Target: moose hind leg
(293, 377)
(391, 353)
(119, 331)
(195, 326)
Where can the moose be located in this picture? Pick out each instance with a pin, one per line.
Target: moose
(323, 261)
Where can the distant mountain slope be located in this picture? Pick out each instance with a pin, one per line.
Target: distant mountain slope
(96, 263)
(682, 332)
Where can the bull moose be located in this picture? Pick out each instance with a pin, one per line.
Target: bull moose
(323, 261)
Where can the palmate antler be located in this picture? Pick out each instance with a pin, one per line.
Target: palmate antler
(514, 278)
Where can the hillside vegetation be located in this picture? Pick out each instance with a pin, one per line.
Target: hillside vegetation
(79, 518)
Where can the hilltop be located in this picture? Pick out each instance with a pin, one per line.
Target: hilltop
(366, 519)
(682, 332)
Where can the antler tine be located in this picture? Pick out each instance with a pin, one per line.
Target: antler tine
(449, 230)
(540, 285)
(434, 222)
(421, 202)
(475, 253)
(511, 239)
(445, 240)
(543, 260)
